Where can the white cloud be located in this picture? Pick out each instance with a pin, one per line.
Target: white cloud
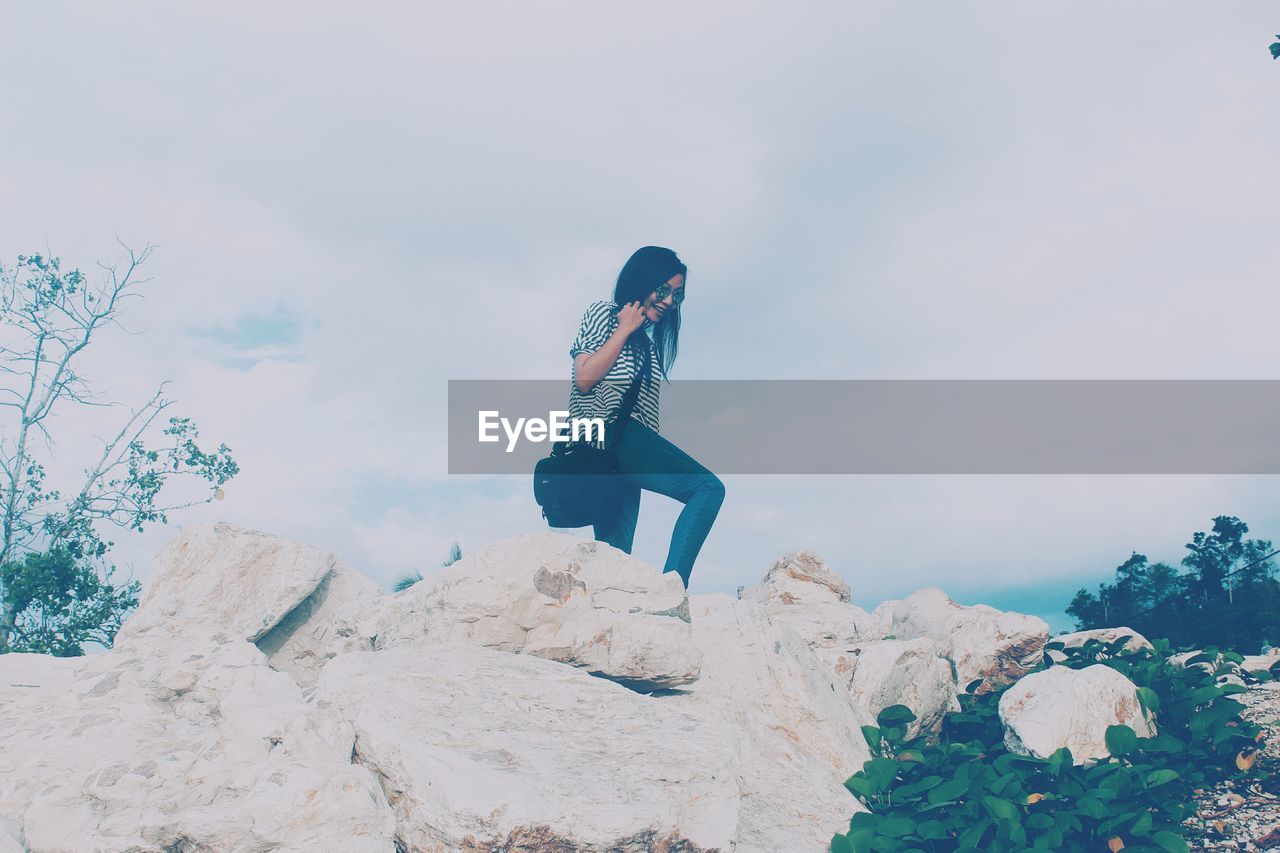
(437, 191)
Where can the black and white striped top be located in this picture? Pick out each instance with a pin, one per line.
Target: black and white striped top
(605, 398)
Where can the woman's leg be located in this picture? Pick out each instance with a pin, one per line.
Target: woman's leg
(651, 462)
(620, 531)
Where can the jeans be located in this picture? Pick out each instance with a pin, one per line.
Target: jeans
(646, 460)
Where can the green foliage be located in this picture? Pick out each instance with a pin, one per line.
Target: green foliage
(1275, 48)
(406, 581)
(963, 790)
(1226, 593)
(62, 603)
(52, 598)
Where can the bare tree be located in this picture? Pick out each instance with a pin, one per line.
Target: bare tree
(48, 318)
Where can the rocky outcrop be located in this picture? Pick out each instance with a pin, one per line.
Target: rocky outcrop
(181, 740)
(881, 673)
(544, 693)
(1106, 636)
(795, 734)
(986, 645)
(1061, 706)
(482, 750)
(579, 602)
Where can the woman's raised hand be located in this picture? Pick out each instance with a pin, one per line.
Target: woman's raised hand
(631, 317)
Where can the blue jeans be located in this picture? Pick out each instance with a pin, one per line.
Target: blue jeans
(646, 460)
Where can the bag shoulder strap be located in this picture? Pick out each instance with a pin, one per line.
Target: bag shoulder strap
(633, 392)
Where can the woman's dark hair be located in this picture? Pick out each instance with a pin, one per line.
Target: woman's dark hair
(642, 274)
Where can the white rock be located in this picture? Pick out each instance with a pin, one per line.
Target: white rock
(1181, 659)
(1259, 663)
(241, 581)
(10, 838)
(800, 591)
(182, 740)
(1106, 636)
(479, 749)
(556, 596)
(983, 642)
(797, 732)
(801, 577)
(331, 620)
(881, 673)
(31, 671)
(1060, 706)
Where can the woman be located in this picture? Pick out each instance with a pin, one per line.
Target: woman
(612, 348)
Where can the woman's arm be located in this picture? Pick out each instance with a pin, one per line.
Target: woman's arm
(590, 367)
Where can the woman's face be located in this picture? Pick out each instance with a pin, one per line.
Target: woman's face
(655, 309)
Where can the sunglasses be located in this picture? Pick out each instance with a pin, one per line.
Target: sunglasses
(665, 290)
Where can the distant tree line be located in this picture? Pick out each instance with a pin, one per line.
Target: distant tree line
(1225, 593)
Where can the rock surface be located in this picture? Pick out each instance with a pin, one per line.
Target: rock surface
(1076, 639)
(479, 749)
(1060, 706)
(898, 672)
(266, 696)
(579, 602)
(182, 742)
(241, 581)
(795, 733)
(983, 643)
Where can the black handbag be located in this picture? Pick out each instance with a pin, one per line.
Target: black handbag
(579, 486)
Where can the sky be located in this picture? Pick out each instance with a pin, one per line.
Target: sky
(352, 205)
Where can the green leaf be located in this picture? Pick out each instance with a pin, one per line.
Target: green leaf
(1206, 694)
(881, 771)
(1091, 807)
(1170, 842)
(1149, 699)
(1000, 809)
(1160, 777)
(895, 715)
(1142, 826)
(1121, 740)
(872, 734)
(841, 844)
(973, 835)
(950, 790)
(861, 785)
(896, 827)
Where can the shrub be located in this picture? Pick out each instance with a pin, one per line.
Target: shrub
(963, 790)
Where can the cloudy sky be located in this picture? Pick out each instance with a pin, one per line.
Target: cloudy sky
(354, 204)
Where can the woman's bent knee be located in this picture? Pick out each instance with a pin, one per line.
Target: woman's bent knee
(713, 488)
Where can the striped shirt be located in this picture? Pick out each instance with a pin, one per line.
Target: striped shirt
(605, 398)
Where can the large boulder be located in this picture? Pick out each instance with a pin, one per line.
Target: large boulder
(801, 592)
(985, 644)
(242, 581)
(796, 732)
(555, 596)
(181, 740)
(1061, 706)
(1106, 636)
(483, 750)
(806, 595)
(881, 673)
